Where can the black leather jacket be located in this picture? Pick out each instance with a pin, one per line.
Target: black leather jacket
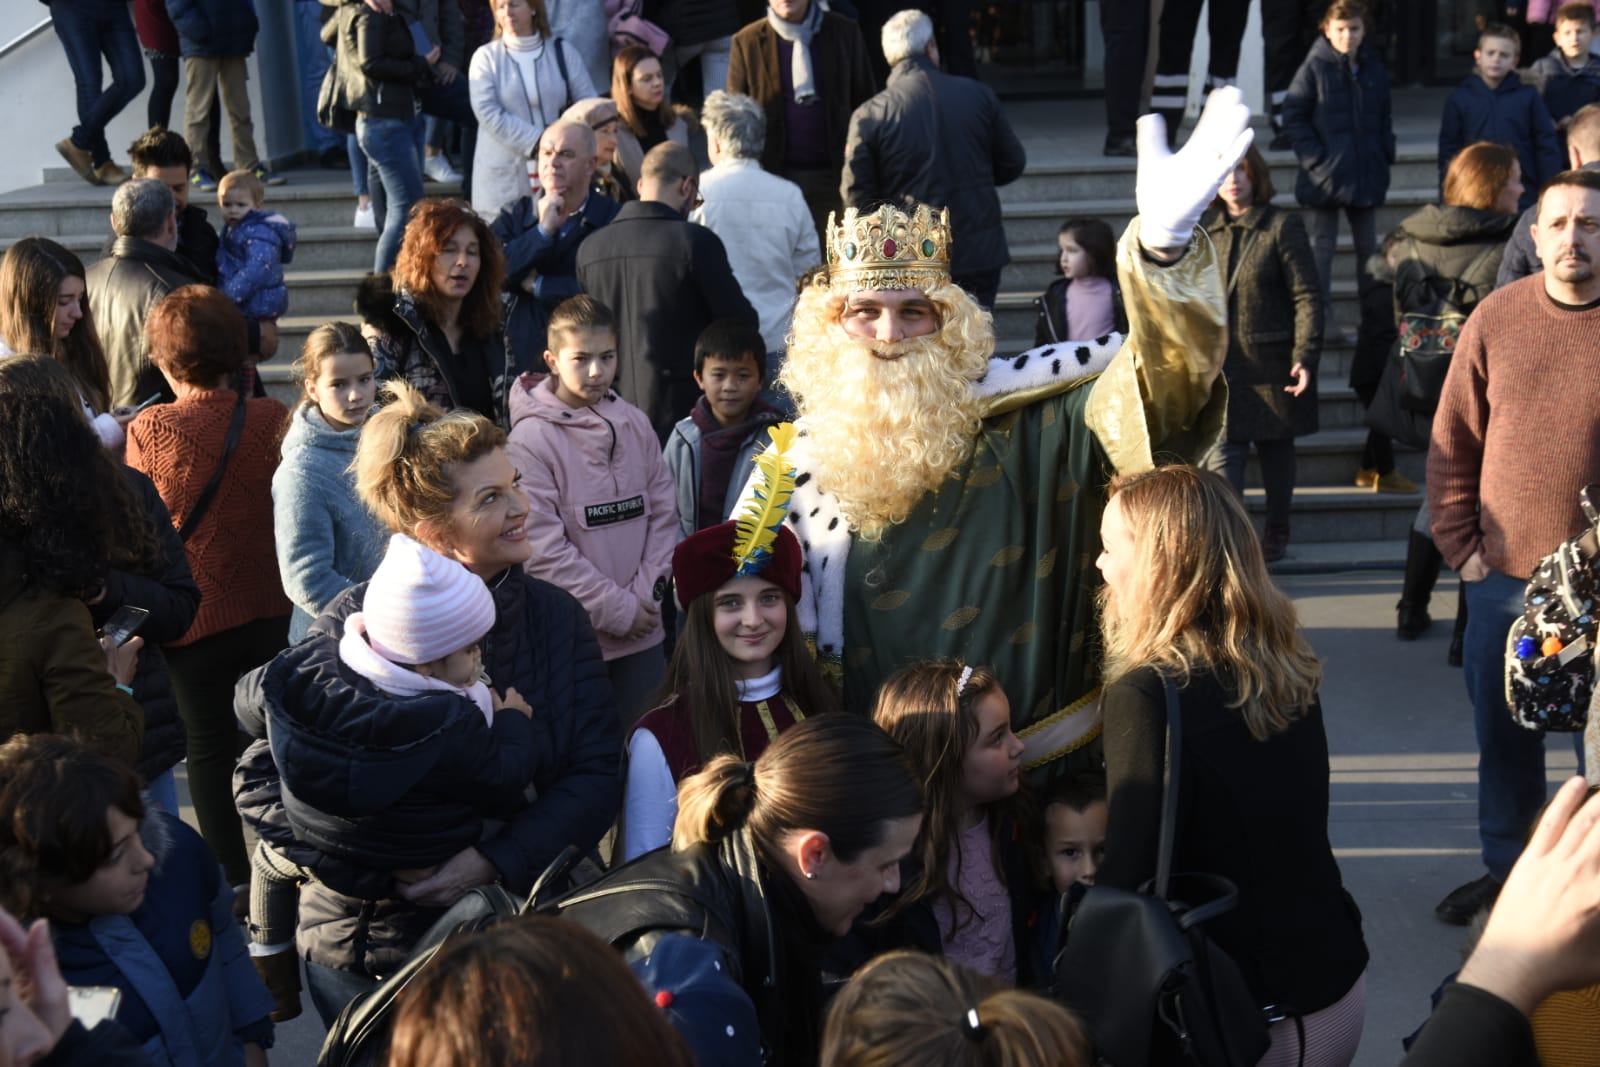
(718, 893)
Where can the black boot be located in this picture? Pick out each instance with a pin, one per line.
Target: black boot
(1453, 657)
(1422, 572)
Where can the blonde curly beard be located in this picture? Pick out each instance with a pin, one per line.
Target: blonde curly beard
(880, 433)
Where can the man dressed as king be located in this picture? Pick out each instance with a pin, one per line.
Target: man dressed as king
(948, 500)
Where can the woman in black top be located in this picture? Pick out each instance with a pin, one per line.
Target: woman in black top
(1187, 597)
(449, 342)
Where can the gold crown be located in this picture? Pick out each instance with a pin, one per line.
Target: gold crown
(889, 249)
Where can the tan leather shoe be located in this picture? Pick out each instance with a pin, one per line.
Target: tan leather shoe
(110, 174)
(78, 159)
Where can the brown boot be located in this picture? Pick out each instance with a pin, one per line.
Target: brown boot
(79, 160)
(281, 974)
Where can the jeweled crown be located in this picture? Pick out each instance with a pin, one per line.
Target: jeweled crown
(889, 249)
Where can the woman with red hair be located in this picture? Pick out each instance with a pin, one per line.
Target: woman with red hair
(448, 342)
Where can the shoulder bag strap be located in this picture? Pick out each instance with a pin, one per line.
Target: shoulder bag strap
(203, 501)
(561, 64)
(1169, 802)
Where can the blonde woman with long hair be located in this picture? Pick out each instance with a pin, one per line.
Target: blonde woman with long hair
(1187, 599)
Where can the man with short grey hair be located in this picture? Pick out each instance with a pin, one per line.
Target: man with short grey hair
(937, 139)
(143, 267)
(762, 219)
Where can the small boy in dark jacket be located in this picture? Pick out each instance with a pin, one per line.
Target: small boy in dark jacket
(1492, 104)
(1570, 73)
(1339, 118)
(392, 751)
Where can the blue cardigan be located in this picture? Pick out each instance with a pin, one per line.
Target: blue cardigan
(1511, 114)
(189, 992)
(326, 538)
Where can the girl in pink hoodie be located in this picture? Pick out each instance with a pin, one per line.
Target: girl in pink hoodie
(603, 516)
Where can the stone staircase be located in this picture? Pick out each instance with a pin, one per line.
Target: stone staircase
(1334, 524)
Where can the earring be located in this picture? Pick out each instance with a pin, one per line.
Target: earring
(811, 876)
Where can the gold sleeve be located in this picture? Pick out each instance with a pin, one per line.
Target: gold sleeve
(1163, 396)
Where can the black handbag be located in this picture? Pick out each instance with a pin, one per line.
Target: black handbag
(359, 1037)
(1389, 412)
(1141, 973)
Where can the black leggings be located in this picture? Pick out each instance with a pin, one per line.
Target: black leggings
(203, 676)
(1277, 473)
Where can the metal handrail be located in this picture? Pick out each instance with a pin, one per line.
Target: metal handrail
(24, 37)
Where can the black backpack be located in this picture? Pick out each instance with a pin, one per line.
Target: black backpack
(1428, 335)
(1140, 971)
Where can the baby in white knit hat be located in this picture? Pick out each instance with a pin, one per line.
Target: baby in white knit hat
(421, 628)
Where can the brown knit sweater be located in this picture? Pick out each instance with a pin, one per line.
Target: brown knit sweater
(232, 552)
(1517, 433)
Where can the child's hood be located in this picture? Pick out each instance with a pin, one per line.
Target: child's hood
(1509, 84)
(264, 223)
(533, 396)
(308, 430)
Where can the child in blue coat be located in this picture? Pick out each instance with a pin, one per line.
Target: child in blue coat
(1492, 104)
(255, 246)
(135, 900)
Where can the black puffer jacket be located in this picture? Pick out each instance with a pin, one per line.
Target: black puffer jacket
(172, 598)
(1340, 121)
(420, 356)
(722, 894)
(942, 140)
(541, 645)
(377, 780)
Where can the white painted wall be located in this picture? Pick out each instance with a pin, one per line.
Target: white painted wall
(38, 103)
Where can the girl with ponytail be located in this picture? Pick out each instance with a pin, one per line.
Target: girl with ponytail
(770, 862)
(910, 1007)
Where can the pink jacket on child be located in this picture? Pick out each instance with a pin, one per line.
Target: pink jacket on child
(1544, 10)
(602, 517)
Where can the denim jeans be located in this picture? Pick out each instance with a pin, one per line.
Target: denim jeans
(391, 148)
(715, 59)
(331, 990)
(1325, 235)
(358, 166)
(89, 29)
(314, 61)
(1511, 776)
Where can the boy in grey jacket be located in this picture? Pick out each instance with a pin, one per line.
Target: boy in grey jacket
(710, 452)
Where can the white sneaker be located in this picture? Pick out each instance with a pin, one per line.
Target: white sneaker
(438, 169)
(365, 220)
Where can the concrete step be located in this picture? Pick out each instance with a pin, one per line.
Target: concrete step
(1327, 513)
(1016, 316)
(316, 247)
(1034, 266)
(1336, 556)
(1038, 221)
(1330, 457)
(1061, 178)
(58, 209)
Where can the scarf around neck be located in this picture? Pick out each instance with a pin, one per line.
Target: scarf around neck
(395, 679)
(799, 35)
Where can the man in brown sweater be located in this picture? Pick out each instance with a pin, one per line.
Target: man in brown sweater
(1516, 436)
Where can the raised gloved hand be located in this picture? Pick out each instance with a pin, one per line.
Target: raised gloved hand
(1173, 189)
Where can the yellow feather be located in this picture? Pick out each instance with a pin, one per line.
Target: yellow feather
(763, 516)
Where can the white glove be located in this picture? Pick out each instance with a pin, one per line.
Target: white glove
(1174, 189)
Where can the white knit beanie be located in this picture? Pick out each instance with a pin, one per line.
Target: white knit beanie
(421, 606)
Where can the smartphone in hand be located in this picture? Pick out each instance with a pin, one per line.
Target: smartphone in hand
(123, 624)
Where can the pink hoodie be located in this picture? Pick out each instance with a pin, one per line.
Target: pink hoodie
(602, 518)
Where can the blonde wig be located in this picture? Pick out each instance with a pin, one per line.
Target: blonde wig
(1204, 601)
(880, 433)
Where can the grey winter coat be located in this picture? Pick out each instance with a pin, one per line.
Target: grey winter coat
(327, 539)
(937, 139)
(583, 24)
(1274, 321)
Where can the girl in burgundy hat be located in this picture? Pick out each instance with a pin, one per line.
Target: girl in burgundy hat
(741, 672)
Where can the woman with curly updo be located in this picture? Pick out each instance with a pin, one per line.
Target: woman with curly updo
(63, 518)
(44, 310)
(212, 453)
(447, 296)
